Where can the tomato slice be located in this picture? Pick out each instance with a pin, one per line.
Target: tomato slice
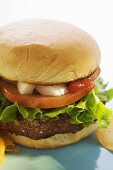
(34, 101)
(94, 75)
(76, 90)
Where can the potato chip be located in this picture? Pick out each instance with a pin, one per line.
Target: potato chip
(105, 136)
(2, 150)
(9, 145)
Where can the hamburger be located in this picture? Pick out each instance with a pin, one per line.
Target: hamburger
(50, 94)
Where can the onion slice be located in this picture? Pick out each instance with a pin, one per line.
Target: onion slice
(53, 90)
(25, 88)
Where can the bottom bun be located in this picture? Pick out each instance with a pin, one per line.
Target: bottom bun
(55, 141)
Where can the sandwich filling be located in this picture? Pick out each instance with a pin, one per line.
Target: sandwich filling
(70, 93)
(38, 114)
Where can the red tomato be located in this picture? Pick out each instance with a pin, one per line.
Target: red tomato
(94, 75)
(11, 93)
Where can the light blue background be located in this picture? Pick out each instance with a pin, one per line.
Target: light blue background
(85, 155)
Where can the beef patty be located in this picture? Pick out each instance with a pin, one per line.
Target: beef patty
(37, 129)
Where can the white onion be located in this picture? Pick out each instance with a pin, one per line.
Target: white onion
(53, 90)
(25, 88)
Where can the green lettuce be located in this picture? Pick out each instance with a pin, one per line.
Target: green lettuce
(103, 94)
(89, 109)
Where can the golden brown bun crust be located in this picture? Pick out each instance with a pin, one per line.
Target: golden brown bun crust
(54, 141)
(46, 52)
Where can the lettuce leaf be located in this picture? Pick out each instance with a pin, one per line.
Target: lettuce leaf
(85, 112)
(103, 94)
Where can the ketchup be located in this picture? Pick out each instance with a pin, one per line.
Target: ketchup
(80, 85)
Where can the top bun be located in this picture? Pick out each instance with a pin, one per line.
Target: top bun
(44, 51)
